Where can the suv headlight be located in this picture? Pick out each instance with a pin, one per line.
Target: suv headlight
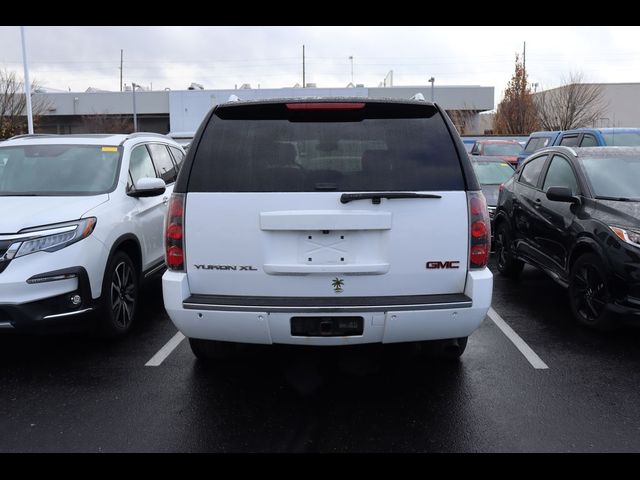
(53, 237)
(626, 235)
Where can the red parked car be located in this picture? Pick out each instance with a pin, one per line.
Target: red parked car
(507, 150)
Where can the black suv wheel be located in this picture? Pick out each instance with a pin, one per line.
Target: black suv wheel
(589, 293)
(507, 265)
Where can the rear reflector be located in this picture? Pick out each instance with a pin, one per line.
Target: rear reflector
(325, 106)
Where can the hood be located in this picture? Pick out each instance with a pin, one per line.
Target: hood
(491, 194)
(611, 212)
(24, 212)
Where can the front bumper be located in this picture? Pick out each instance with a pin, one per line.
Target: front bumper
(56, 305)
(444, 317)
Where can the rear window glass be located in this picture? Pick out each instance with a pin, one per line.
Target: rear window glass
(322, 151)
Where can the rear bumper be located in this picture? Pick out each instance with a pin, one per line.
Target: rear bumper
(386, 319)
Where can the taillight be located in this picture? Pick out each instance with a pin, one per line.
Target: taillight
(501, 187)
(173, 234)
(479, 230)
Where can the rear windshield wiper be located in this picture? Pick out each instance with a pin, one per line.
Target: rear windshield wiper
(617, 199)
(376, 196)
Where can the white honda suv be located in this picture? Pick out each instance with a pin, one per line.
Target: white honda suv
(81, 226)
(327, 222)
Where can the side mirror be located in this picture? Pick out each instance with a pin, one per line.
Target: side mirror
(148, 187)
(562, 194)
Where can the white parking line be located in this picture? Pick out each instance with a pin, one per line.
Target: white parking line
(530, 355)
(165, 351)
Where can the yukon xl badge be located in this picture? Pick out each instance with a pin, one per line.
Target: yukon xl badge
(337, 285)
(438, 264)
(226, 267)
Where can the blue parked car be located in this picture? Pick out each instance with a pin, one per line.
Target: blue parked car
(599, 137)
(536, 141)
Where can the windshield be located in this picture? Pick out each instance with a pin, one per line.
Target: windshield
(614, 177)
(502, 149)
(492, 173)
(628, 139)
(58, 169)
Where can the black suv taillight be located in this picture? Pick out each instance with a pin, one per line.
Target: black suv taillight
(173, 233)
(479, 230)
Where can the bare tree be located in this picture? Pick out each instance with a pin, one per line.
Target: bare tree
(462, 119)
(516, 114)
(13, 104)
(105, 123)
(575, 104)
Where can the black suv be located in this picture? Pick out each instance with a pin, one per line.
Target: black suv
(575, 214)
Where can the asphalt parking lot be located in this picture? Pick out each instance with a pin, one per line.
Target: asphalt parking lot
(565, 389)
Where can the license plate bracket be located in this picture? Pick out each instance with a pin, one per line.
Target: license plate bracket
(326, 326)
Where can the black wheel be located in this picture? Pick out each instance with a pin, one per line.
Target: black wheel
(209, 351)
(589, 293)
(507, 265)
(120, 296)
(450, 349)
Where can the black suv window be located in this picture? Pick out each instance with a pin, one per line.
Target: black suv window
(274, 148)
(560, 174)
(164, 165)
(531, 171)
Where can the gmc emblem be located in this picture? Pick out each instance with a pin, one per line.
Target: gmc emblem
(437, 264)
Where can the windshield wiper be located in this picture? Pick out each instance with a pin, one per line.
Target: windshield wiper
(617, 199)
(376, 196)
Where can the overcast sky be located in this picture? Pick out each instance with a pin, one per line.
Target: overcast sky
(271, 57)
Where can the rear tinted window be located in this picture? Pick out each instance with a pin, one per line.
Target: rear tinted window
(315, 151)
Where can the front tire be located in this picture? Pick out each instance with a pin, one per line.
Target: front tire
(589, 293)
(120, 296)
(507, 264)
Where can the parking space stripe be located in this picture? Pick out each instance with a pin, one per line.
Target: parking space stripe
(165, 351)
(529, 354)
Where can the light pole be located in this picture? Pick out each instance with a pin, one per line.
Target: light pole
(135, 115)
(351, 58)
(535, 87)
(27, 84)
(431, 81)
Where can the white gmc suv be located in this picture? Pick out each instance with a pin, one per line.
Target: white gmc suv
(81, 226)
(327, 222)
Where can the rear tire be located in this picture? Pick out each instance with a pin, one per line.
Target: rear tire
(210, 351)
(119, 296)
(507, 264)
(589, 293)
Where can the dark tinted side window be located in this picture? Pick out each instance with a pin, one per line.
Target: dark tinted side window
(569, 141)
(164, 165)
(178, 156)
(588, 141)
(381, 147)
(560, 174)
(532, 145)
(531, 171)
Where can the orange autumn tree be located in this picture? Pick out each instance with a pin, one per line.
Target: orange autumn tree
(517, 113)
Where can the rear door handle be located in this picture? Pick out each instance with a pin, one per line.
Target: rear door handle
(165, 200)
(538, 203)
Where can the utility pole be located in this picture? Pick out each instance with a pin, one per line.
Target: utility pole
(135, 115)
(351, 58)
(303, 84)
(120, 69)
(27, 85)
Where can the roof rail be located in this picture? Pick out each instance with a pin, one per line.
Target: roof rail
(25, 135)
(419, 97)
(146, 134)
(233, 98)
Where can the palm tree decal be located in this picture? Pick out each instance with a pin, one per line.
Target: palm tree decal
(337, 284)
